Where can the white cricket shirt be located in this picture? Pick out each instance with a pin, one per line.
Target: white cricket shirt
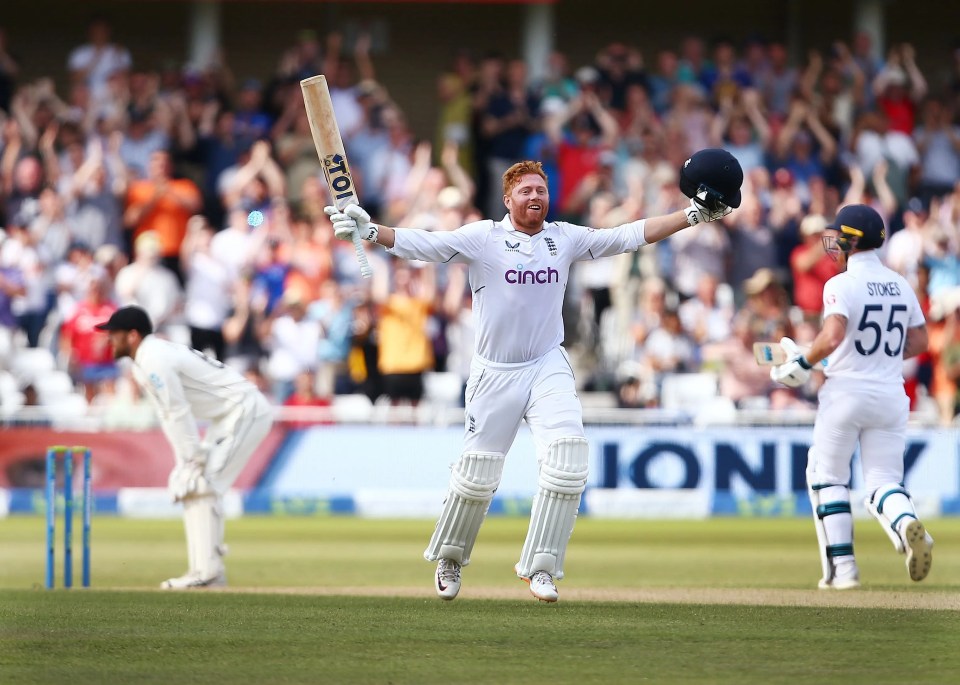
(184, 385)
(517, 280)
(880, 306)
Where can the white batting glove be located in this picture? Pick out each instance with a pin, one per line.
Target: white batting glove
(353, 218)
(795, 372)
(698, 213)
(368, 230)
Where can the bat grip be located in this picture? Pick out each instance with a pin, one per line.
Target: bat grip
(365, 270)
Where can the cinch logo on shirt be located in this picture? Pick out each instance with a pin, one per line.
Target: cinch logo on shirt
(521, 277)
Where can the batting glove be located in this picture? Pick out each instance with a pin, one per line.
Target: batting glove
(699, 213)
(795, 372)
(352, 218)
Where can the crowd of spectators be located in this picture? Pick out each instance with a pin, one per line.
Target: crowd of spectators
(197, 194)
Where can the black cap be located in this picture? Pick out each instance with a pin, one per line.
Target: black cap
(128, 319)
(861, 222)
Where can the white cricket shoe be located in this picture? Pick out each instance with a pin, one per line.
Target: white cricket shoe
(542, 586)
(919, 549)
(845, 577)
(447, 579)
(194, 580)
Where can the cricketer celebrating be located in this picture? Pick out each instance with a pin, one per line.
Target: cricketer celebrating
(518, 271)
(185, 385)
(871, 322)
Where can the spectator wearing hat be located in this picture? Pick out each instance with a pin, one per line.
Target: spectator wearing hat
(811, 267)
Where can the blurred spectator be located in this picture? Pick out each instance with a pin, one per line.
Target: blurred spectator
(250, 122)
(292, 341)
(743, 130)
(31, 304)
(558, 82)
(147, 283)
(84, 349)
(620, 68)
(162, 205)
(898, 87)
(97, 60)
(668, 348)
(95, 195)
(244, 326)
(905, 248)
(811, 267)
(335, 316)
(580, 135)
(767, 306)
(453, 121)
(662, 82)
(305, 394)
(208, 295)
(142, 139)
(777, 81)
(405, 350)
(507, 120)
(707, 317)
(938, 141)
(73, 278)
(753, 245)
(12, 286)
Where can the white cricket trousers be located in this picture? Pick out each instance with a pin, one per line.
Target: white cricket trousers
(872, 413)
(233, 439)
(500, 396)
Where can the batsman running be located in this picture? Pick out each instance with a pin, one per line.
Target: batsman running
(872, 321)
(184, 385)
(518, 270)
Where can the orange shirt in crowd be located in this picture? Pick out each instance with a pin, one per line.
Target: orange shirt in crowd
(168, 218)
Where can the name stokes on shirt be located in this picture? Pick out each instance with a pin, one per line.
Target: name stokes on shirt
(888, 289)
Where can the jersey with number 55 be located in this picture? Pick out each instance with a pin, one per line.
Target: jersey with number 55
(880, 306)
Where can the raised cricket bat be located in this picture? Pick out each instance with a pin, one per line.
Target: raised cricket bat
(326, 138)
(772, 354)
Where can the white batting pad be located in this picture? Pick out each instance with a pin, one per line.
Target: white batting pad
(832, 519)
(203, 522)
(474, 479)
(890, 504)
(563, 478)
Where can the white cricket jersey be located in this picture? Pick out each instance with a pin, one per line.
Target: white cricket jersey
(880, 306)
(185, 385)
(518, 281)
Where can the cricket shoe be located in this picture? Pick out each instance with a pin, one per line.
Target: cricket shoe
(542, 586)
(447, 579)
(194, 580)
(919, 548)
(845, 577)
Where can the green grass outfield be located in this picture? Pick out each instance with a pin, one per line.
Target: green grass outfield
(345, 600)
